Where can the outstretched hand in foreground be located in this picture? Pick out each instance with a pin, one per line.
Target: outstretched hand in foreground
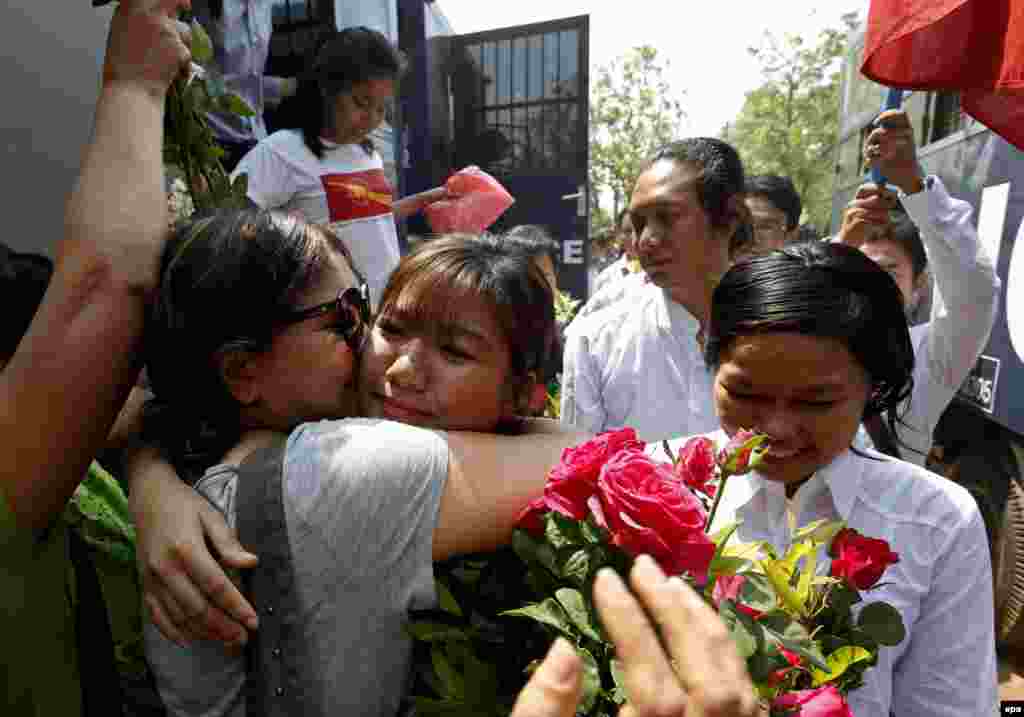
(697, 674)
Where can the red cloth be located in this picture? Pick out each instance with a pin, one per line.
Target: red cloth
(975, 47)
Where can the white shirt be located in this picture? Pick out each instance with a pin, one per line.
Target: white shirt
(964, 309)
(942, 585)
(637, 363)
(612, 273)
(346, 190)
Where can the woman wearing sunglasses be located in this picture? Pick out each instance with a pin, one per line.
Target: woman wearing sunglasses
(257, 326)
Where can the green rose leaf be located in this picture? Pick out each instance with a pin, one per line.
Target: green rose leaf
(591, 682)
(721, 537)
(741, 629)
(561, 532)
(202, 48)
(576, 566)
(532, 551)
(451, 681)
(230, 102)
(883, 622)
(548, 612)
(446, 600)
(618, 677)
(757, 593)
(592, 532)
(838, 661)
(427, 631)
(576, 608)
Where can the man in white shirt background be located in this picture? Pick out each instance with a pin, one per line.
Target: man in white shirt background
(638, 361)
(775, 209)
(934, 232)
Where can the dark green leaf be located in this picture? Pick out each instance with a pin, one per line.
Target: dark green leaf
(446, 600)
(561, 532)
(440, 708)
(883, 622)
(576, 567)
(576, 608)
(452, 682)
(619, 678)
(592, 532)
(548, 612)
(435, 632)
(530, 550)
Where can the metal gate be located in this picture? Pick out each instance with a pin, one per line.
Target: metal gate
(519, 100)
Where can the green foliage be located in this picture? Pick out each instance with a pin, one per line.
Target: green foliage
(789, 124)
(632, 113)
(189, 146)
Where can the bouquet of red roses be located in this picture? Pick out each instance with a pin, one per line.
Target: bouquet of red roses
(608, 501)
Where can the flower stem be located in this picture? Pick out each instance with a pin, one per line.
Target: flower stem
(718, 499)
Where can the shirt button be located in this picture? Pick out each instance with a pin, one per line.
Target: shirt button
(279, 692)
(270, 610)
(276, 653)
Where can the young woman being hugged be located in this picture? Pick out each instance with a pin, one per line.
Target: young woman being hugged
(324, 166)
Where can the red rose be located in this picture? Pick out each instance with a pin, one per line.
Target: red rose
(859, 559)
(728, 587)
(574, 479)
(823, 702)
(695, 464)
(647, 511)
(738, 455)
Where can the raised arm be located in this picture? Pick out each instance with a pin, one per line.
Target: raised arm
(966, 286)
(66, 383)
(490, 480)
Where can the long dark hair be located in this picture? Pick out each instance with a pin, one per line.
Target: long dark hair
(828, 290)
(501, 272)
(224, 279)
(342, 60)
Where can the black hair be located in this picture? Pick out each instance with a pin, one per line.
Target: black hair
(534, 240)
(24, 278)
(440, 271)
(342, 60)
(719, 184)
(821, 289)
(904, 233)
(781, 192)
(225, 279)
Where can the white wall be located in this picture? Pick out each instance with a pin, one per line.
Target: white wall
(50, 77)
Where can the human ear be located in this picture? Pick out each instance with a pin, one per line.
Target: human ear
(238, 372)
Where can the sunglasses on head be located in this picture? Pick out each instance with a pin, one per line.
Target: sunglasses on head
(352, 306)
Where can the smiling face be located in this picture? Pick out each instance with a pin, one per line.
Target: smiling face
(807, 393)
(439, 370)
(361, 110)
(678, 247)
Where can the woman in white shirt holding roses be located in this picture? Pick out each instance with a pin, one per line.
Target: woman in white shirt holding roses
(805, 344)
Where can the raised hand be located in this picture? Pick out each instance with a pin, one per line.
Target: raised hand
(891, 149)
(147, 46)
(698, 674)
(867, 216)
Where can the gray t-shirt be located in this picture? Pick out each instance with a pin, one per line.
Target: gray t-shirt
(361, 500)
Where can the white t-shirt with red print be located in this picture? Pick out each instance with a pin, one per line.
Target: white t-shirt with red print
(346, 190)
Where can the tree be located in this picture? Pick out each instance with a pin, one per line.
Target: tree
(632, 113)
(789, 125)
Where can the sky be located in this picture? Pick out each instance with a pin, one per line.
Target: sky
(705, 43)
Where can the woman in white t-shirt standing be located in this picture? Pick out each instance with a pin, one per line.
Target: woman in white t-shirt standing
(325, 167)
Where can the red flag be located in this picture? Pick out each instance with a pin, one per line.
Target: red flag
(975, 47)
